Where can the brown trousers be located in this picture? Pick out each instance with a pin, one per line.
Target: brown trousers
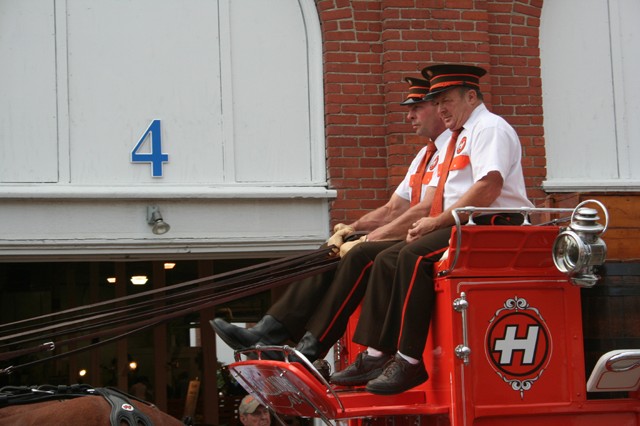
(397, 306)
(323, 304)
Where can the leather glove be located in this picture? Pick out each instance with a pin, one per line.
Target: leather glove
(344, 248)
(337, 239)
(341, 226)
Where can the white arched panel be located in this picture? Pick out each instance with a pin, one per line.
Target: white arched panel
(588, 51)
(131, 63)
(28, 117)
(271, 93)
(235, 87)
(231, 91)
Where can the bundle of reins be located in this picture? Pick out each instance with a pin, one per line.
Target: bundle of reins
(105, 322)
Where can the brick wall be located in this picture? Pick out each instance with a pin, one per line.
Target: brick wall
(370, 46)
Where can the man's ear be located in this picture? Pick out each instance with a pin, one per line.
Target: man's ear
(471, 96)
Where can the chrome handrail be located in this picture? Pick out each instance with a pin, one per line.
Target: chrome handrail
(470, 210)
(633, 355)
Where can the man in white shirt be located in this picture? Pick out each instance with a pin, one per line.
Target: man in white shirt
(483, 170)
(319, 309)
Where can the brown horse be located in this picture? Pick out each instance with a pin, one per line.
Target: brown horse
(102, 408)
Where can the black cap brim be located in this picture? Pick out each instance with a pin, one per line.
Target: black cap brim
(413, 101)
(429, 96)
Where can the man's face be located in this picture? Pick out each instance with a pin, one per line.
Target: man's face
(260, 417)
(454, 107)
(425, 120)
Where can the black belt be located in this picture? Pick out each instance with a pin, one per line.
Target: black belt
(499, 219)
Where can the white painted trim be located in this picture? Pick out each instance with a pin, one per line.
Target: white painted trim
(136, 250)
(165, 192)
(316, 89)
(566, 185)
(618, 89)
(62, 91)
(226, 92)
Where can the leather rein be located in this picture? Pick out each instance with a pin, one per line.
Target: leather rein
(107, 321)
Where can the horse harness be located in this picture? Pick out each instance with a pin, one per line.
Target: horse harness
(121, 408)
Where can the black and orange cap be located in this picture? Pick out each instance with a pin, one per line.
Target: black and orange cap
(446, 76)
(418, 88)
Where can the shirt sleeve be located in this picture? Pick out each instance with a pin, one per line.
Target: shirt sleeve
(495, 149)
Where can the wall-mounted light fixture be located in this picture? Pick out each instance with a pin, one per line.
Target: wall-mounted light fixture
(154, 218)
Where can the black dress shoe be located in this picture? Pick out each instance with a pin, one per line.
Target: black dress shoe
(323, 367)
(364, 368)
(267, 331)
(311, 347)
(399, 375)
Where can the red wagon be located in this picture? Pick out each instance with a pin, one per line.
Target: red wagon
(505, 345)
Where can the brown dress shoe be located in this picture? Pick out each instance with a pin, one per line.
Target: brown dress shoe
(399, 375)
(364, 368)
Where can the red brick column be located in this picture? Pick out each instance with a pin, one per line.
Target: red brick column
(354, 106)
(370, 46)
(517, 86)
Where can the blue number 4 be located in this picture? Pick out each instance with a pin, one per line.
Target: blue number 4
(155, 157)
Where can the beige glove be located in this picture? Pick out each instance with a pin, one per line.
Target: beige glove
(341, 226)
(344, 248)
(337, 239)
